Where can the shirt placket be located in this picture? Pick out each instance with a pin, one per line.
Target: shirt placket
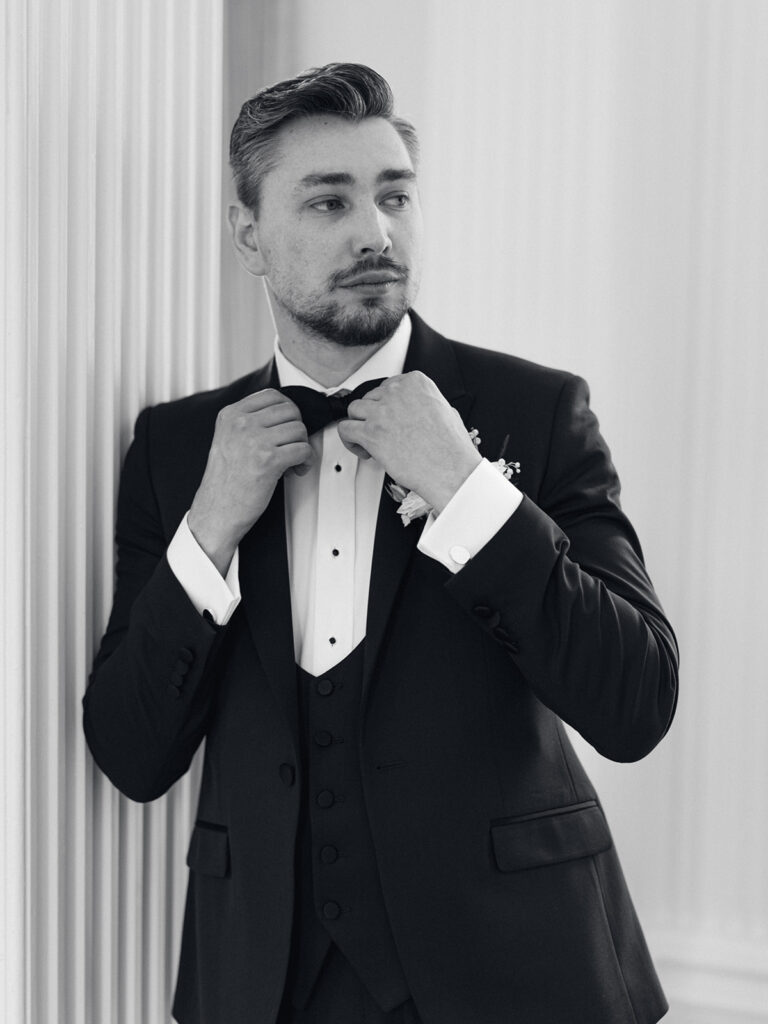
(334, 553)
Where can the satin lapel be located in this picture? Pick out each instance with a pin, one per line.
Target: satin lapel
(394, 544)
(266, 593)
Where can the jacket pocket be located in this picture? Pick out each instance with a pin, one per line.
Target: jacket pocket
(209, 850)
(550, 837)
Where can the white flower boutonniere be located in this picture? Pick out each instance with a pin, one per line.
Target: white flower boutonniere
(411, 506)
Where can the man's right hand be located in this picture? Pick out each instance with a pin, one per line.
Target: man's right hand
(255, 442)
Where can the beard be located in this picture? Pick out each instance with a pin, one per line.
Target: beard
(371, 323)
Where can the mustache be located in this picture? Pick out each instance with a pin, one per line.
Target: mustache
(367, 265)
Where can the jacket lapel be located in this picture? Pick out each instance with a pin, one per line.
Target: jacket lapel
(395, 544)
(265, 588)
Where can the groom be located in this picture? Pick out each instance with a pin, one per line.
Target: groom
(392, 824)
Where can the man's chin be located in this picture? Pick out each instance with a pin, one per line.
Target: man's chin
(370, 324)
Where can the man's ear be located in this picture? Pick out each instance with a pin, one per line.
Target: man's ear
(245, 238)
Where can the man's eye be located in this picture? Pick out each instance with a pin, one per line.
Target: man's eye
(398, 201)
(328, 205)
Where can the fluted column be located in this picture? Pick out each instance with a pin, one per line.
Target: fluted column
(112, 204)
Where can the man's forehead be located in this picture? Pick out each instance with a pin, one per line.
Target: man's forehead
(332, 150)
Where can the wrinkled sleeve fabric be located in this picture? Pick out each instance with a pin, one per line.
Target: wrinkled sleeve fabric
(563, 588)
(148, 698)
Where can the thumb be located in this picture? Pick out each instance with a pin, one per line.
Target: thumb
(344, 427)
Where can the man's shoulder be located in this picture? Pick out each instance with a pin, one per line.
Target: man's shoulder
(211, 401)
(480, 364)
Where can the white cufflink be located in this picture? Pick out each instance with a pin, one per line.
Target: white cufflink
(459, 554)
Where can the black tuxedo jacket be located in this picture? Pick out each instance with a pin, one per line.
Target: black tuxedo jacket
(504, 892)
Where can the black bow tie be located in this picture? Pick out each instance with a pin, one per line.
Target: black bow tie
(318, 410)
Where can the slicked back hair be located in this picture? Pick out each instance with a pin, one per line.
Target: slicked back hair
(351, 91)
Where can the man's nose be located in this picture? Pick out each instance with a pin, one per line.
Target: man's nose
(371, 236)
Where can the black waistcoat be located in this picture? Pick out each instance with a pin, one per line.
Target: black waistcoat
(339, 896)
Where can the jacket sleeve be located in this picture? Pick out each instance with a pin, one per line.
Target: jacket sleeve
(562, 586)
(149, 696)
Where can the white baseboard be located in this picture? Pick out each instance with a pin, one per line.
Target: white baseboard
(710, 980)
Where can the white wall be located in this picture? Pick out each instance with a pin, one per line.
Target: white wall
(594, 179)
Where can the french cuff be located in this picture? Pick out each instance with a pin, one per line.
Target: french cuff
(477, 511)
(205, 587)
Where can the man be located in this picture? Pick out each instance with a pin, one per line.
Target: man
(392, 824)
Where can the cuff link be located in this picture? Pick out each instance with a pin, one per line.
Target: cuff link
(459, 554)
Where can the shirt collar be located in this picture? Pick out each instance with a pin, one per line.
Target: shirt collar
(387, 361)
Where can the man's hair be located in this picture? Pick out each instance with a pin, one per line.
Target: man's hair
(351, 91)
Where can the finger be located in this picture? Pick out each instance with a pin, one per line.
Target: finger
(357, 410)
(361, 453)
(297, 457)
(281, 412)
(291, 432)
(259, 400)
(296, 454)
(351, 437)
(361, 408)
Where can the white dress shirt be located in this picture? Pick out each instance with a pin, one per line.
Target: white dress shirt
(330, 519)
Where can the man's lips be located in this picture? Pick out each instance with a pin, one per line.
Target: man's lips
(372, 277)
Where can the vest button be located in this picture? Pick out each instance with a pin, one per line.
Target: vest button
(287, 774)
(325, 687)
(329, 854)
(325, 798)
(331, 911)
(323, 738)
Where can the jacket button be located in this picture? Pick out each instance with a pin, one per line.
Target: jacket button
(323, 738)
(288, 774)
(500, 633)
(175, 691)
(331, 911)
(325, 798)
(186, 656)
(324, 687)
(329, 854)
(177, 678)
(181, 667)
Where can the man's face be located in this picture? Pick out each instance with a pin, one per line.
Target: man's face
(339, 230)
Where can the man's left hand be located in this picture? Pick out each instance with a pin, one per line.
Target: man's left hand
(407, 426)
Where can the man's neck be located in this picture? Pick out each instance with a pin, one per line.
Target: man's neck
(324, 361)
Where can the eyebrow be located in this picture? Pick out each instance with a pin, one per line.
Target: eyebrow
(342, 178)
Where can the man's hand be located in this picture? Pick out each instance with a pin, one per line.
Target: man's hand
(412, 431)
(255, 442)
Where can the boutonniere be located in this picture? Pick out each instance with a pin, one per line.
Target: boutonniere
(411, 506)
